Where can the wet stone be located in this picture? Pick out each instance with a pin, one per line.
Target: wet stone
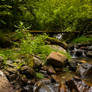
(37, 62)
(28, 71)
(1, 58)
(45, 85)
(56, 59)
(5, 86)
(27, 88)
(51, 70)
(89, 53)
(11, 70)
(81, 85)
(9, 61)
(85, 71)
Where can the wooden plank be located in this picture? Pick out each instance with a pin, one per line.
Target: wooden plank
(47, 31)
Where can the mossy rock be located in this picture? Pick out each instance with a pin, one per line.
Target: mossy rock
(57, 42)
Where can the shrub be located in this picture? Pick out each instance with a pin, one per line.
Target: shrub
(82, 39)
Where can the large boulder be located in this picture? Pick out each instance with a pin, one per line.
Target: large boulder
(89, 53)
(57, 42)
(56, 59)
(58, 48)
(85, 71)
(5, 86)
(37, 61)
(77, 85)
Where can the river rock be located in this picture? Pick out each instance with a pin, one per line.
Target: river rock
(28, 71)
(77, 85)
(55, 78)
(73, 64)
(85, 71)
(57, 42)
(9, 62)
(11, 70)
(89, 53)
(62, 87)
(58, 48)
(51, 70)
(1, 58)
(56, 59)
(45, 85)
(5, 86)
(71, 86)
(37, 61)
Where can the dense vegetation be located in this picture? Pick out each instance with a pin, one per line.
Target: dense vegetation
(19, 17)
(51, 15)
(62, 15)
(82, 39)
(29, 46)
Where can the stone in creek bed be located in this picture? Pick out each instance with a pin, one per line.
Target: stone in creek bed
(85, 71)
(77, 85)
(56, 59)
(89, 53)
(45, 85)
(5, 86)
(37, 62)
(51, 70)
(28, 71)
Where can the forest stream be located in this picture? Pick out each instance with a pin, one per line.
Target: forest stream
(57, 74)
(45, 45)
(68, 81)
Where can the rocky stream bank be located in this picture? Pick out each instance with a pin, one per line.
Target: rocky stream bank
(58, 74)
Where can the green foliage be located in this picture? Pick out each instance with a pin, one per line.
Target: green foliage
(14, 11)
(39, 75)
(82, 39)
(36, 45)
(30, 45)
(64, 15)
(44, 51)
(67, 54)
(9, 54)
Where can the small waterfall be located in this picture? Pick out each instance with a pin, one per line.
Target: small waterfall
(74, 52)
(83, 54)
(77, 52)
(74, 56)
(59, 36)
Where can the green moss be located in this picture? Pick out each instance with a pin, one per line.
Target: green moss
(56, 41)
(31, 45)
(82, 39)
(39, 75)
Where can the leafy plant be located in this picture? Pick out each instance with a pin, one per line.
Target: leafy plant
(39, 75)
(63, 15)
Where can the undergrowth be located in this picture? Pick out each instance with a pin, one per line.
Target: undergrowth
(30, 45)
(82, 39)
